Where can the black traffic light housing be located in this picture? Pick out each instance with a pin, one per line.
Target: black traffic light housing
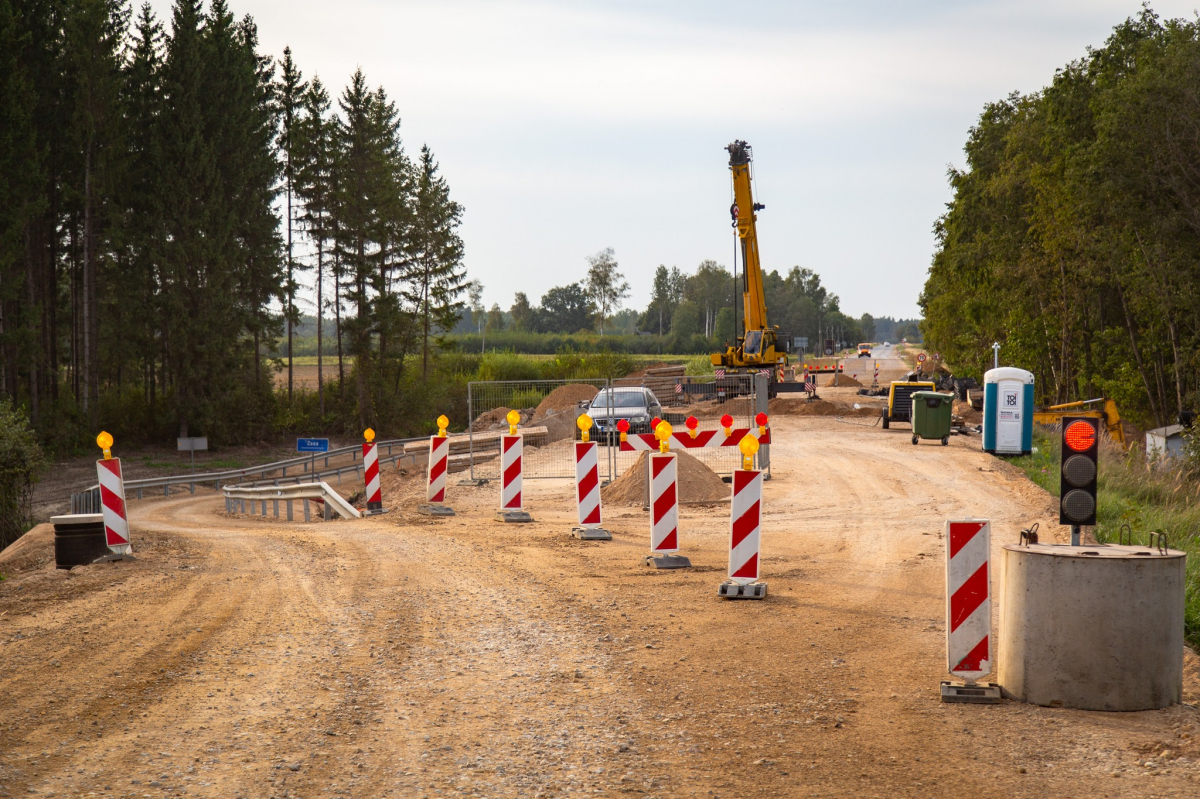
(1080, 456)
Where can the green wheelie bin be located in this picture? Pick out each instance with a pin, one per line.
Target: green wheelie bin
(931, 416)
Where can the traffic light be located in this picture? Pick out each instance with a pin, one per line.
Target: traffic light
(1077, 489)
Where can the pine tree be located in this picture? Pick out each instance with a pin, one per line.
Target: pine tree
(437, 278)
(290, 92)
(314, 186)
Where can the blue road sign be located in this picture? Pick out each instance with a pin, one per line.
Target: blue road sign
(312, 444)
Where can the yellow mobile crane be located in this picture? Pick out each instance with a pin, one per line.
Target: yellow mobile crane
(756, 347)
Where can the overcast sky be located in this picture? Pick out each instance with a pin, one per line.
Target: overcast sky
(567, 127)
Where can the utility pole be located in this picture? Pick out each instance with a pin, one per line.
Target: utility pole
(996, 355)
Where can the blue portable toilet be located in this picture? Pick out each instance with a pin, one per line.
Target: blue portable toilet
(1008, 411)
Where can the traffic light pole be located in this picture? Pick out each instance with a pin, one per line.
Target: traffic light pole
(1075, 528)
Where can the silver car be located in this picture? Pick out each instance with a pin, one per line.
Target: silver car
(638, 405)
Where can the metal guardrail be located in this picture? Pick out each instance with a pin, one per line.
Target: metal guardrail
(238, 496)
(90, 497)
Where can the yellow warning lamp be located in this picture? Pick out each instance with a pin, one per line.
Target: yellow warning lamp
(692, 423)
(105, 441)
(442, 423)
(663, 434)
(623, 429)
(727, 425)
(585, 424)
(748, 445)
(761, 421)
(369, 435)
(514, 419)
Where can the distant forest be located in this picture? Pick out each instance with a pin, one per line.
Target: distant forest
(1073, 238)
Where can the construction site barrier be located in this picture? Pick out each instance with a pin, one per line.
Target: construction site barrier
(587, 484)
(968, 598)
(510, 472)
(112, 504)
(371, 474)
(745, 526)
(664, 504)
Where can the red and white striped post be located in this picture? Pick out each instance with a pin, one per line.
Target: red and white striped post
(587, 485)
(371, 473)
(112, 500)
(745, 524)
(436, 472)
(664, 505)
(968, 610)
(511, 483)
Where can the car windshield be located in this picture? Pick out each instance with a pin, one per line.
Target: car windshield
(620, 399)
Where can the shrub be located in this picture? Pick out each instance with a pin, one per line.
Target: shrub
(21, 462)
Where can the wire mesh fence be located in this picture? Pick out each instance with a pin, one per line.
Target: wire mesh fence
(549, 409)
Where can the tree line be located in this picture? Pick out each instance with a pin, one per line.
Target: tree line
(688, 312)
(1073, 237)
(161, 193)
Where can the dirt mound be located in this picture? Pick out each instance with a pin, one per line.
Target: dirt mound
(842, 380)
(563, 399)
(969, 415)
(801, 407)
(30, 551)
(697, 483)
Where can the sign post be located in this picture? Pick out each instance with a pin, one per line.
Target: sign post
(435, 473)
(313, 446)
(191, 445)
(512, 507)
(587, 485)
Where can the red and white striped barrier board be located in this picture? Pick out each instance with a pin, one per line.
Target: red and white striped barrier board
(439, 453)
(587, 483)
(745, 525)
(371, 477)
(112, 505)
(968, 598)
(664, 503)
(510, 471)
(636, 442)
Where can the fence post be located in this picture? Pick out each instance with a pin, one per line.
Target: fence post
(471, 430)
(762, 387)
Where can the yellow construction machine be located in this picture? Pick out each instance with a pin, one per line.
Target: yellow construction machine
(756, 348)
(1107, 414)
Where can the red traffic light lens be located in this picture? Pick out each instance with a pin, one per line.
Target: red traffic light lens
(726, 421)
(1080, 436)
(623, 425)
(692, 422)
(760, 420)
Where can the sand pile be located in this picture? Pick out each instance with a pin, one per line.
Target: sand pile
(801, 407)
(697, 483)
(843, 380)
(969, 415)
(563, 398)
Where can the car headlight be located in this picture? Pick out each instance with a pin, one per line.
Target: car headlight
(639, 419)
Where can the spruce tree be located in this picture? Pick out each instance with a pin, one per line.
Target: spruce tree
(290, 93)
(437, 278)
(314, 178)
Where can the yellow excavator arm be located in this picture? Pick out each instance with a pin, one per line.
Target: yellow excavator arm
(1107, 413)
(757, 345)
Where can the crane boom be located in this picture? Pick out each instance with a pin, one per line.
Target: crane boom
(756, 346)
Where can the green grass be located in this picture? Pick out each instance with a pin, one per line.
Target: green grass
(1149, 498)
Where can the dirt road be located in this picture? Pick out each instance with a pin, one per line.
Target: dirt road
(409, 657)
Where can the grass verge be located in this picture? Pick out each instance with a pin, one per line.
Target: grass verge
(1149, 498)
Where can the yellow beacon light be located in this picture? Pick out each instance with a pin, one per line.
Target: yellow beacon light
(585, 424)
(105, 441)
(369, 434)
(663, 434)
(514, 419)
(748, 445)
(442, 423)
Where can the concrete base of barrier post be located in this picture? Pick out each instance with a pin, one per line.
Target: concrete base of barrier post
(668, 562)
(591, 534)
(987, 693)
(430, 509)
(731, 590)
(518, 516)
